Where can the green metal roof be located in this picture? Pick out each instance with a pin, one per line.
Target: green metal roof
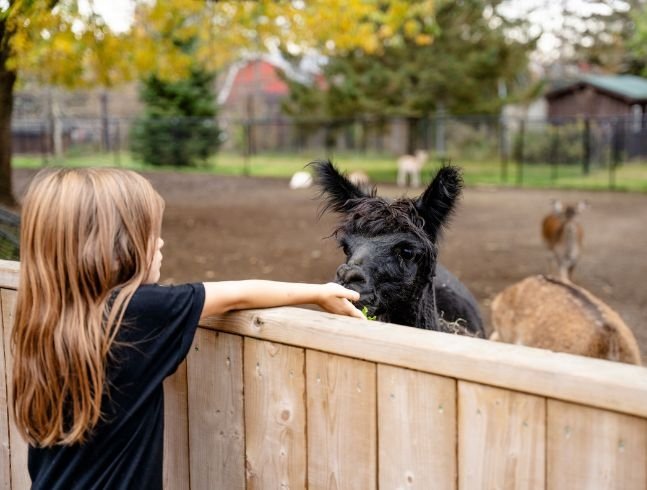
(628, 86)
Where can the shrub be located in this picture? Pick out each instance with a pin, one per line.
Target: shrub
(178, 127)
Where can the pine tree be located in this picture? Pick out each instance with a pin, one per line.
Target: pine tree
(178, 127)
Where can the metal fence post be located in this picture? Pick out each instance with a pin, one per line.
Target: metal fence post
(503, 149)
(586, 146)
(519, 152)
(554, 153)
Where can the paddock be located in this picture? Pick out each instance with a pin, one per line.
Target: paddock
(295, 398)
(226, 228)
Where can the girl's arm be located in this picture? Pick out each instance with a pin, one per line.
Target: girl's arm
(224, 296)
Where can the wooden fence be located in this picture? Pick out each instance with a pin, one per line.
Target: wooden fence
(292, 398)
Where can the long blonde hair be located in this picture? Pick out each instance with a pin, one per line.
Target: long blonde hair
(87, 241)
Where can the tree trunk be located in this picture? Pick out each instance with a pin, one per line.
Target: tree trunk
(7, 81)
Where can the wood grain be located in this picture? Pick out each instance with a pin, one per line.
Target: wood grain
(342, 440)
(501, 438)
(590, 448)
(9, 274)
(176, 431)
(593, 382)
(5, 455)
(417, 429)
(17, 445)
(216, 430)
(274, 415)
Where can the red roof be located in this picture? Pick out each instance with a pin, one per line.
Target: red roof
(257, 76)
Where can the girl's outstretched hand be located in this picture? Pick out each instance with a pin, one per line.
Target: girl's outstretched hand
(335, 298)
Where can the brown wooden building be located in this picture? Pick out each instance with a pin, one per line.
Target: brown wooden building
(599, 96)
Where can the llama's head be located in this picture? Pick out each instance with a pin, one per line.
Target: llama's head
(390, 246)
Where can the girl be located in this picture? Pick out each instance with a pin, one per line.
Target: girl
(95, 336)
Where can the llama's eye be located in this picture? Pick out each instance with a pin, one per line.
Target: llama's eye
(406, 253)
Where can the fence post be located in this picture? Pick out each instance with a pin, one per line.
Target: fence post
(554, 154)
(586, 146)
(503, 149)
(117, 145)
(440, 132)
(247, 146)
(43, 143)
(616, 151)
(519, 152)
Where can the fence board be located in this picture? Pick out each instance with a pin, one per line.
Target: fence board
(417, 429)
(342, 441)
(501, 438)
(9, 274)
(5, 463)
(590, 448)
(274, 415)
(593, 382)
(176, 431)
(18, 447)
(216, 431)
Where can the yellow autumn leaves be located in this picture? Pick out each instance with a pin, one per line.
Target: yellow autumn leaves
(65, 46)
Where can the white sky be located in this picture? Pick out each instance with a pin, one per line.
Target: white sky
(118, 14)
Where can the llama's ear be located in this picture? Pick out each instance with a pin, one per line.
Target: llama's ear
(439, 200)
(339, 192)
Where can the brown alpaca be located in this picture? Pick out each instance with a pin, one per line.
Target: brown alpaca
(551, 314)
(563, 235)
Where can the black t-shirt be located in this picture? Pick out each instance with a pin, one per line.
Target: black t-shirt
(125, 449)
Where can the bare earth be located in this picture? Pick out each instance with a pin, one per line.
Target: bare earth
(219, 228)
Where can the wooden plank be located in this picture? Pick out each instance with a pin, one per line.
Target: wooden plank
(342, 440)
(591, 448)
(501, 438)
(9, 274)
(593, 382)
(274, 415)
(417, 429)
(216, 431)
(176, 431)
(17, 446)
(5, 455)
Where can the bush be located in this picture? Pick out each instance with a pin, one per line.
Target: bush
(178, 127)
(550, 144)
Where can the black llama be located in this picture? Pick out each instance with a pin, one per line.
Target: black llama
(391, 251)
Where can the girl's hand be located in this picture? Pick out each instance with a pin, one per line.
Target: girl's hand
(335, 298)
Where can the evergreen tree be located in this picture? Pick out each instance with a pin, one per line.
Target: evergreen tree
(461, 71)
(178, 127)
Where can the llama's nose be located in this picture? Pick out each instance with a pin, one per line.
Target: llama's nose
(347, 275)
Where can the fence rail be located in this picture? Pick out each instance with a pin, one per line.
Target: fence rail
(292, 398)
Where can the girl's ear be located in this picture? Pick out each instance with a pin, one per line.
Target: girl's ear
(439, 200)
(339, 192)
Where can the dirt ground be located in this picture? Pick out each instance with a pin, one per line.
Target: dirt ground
(219, 228)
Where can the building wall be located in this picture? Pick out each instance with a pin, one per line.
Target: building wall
(586, 101)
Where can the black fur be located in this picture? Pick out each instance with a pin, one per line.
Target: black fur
(391, 251)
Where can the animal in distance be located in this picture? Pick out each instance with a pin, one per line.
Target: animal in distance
(563, 235)
(410, 167)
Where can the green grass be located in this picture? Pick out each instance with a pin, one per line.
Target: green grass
(380, 168)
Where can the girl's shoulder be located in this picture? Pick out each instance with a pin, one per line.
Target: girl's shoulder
(165, 299)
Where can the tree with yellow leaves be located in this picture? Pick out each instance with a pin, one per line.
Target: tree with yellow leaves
(55, 42)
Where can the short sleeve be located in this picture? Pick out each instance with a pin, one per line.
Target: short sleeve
(162, 321)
